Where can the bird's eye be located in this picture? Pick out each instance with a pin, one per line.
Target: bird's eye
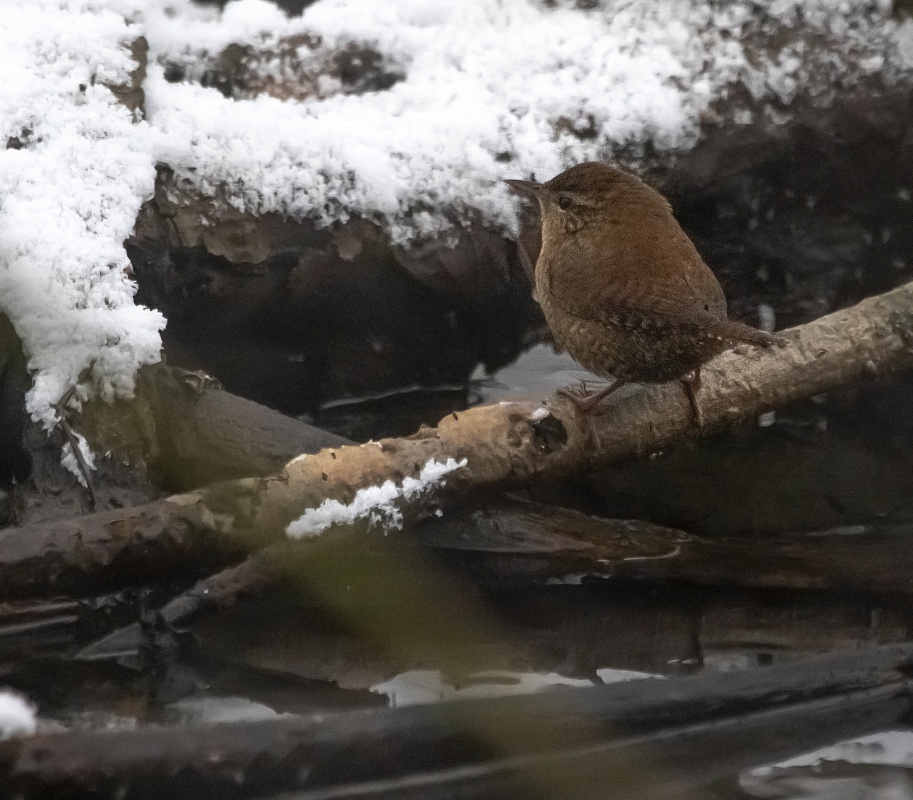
(564, 202)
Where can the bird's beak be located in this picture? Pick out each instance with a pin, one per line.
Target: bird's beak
(530, 188)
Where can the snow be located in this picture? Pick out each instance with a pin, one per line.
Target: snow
(888, 747)
(887, 758)
(17, 717)
(377, 504)
(69, 198)
(70, 461)
(485, 89)
(489, 90)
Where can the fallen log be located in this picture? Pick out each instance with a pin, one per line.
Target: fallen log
(503, 445)
(644, 739)
(190, 432)
(509, 444)
(640, 768)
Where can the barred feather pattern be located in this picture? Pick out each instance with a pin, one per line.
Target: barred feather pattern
(646, 349)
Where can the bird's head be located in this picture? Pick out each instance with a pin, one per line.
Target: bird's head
(579, 195)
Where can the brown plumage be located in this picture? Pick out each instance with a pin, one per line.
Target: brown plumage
(623, 289)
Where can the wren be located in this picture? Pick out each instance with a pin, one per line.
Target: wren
(623, 288)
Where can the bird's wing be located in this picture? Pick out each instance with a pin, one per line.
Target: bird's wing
(638, 276)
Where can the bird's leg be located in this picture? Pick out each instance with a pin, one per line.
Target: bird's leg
(692, 384)
(585, 400)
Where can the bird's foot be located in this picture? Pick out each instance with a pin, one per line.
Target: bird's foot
(692, 384)
(585, 400)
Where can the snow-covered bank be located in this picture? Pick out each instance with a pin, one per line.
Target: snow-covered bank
(488, 90)
(73, 174)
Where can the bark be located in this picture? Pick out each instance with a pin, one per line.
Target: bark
(648, 737)
(510, 444)
(108, 550)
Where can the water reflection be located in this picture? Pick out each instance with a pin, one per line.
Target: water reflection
(431, 686)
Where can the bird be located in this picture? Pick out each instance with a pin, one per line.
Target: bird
(622, 287)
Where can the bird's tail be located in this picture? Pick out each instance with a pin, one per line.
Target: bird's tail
(738, 332)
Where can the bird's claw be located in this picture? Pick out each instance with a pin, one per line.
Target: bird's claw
(586, 400)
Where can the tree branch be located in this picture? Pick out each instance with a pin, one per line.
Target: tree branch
(504, 445)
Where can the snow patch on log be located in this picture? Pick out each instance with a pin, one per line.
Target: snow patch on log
(17, 717)
(377, 504)
(74, 170)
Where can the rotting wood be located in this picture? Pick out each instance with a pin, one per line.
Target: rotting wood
(646, 736)
(508, 444)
